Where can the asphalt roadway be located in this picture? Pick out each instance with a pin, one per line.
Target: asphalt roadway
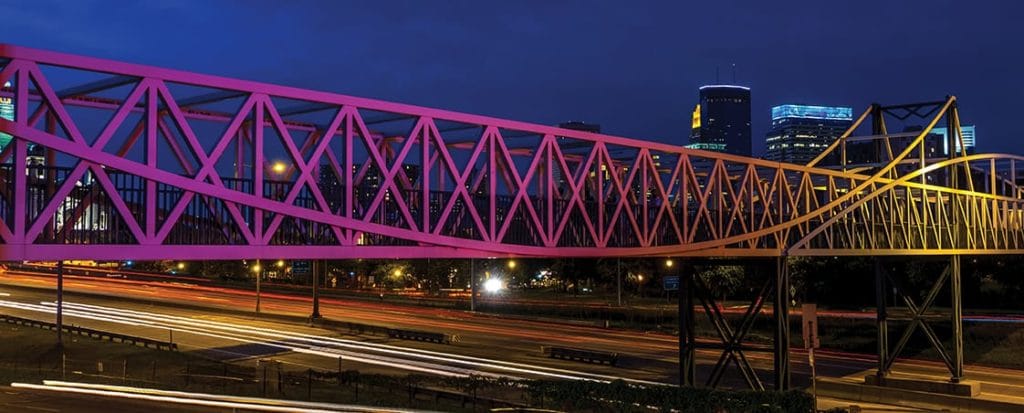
(205, 318)
(28, 400)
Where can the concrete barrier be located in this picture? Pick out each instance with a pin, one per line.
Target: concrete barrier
(91, 333)
(423, 336)
(576, 354)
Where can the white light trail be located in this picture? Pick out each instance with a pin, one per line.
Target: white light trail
(403, 358)
(321, 341)
(198, 399)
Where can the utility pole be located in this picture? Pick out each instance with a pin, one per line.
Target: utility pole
(618, 278)
(259, 275)
(316, 287)
(60, 303)
(472, 284)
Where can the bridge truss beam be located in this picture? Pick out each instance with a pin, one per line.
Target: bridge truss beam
(151, 163)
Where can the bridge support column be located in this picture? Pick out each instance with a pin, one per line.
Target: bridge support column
(687, 344)
(957, 362)
(881, 319)
(60, 303)
(781, 313)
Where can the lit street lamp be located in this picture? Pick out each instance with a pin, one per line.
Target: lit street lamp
(279, 167)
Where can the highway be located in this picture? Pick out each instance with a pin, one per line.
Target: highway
(204, 317)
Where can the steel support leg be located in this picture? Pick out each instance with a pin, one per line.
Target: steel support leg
(957, 365)
(687, 344)
(781, 312)
(881, 319)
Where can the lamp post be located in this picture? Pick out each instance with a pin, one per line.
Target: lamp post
(60, 303)
(318, 266)
(472, 284)
(618, 279)
(258, 269)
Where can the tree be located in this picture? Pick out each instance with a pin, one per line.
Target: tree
(392, 273)
(723, 280)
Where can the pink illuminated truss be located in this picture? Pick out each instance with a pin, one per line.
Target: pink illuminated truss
(148, 163)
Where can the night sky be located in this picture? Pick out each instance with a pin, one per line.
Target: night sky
(633, 69)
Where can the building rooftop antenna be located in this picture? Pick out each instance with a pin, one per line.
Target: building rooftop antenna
(734, 73)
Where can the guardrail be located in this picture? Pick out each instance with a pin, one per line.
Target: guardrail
(96, 334)
(576, 354)
(423, 336)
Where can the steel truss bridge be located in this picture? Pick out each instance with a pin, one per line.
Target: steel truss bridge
(112, 160)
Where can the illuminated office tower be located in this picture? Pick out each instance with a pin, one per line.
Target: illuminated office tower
(967, 134)
(6, 112)
(721, 121)
(800, 132)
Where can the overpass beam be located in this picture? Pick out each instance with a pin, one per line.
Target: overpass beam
(781, 314)
(687, 342)
(957, 365)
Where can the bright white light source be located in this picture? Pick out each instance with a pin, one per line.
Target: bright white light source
(493, 285)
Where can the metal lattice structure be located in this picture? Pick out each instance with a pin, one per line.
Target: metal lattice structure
(150, 163)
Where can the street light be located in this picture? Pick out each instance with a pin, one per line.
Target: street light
(256, 268)
(669, 263)
(279, 167)
(493, 285)
(181, 266)
(511, 264)
(280, 263)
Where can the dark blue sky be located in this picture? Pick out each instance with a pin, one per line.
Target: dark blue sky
(633, 69)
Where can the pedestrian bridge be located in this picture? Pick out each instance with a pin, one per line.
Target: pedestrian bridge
(112, 160)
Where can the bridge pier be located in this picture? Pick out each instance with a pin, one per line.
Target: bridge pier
(781, 315)
(957, 365)
(881, 319)
(919, 319)
(694, 291)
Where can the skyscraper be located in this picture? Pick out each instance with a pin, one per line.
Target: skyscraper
(967, 134)
(800, 132)
(6, 112)
(721, 122)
